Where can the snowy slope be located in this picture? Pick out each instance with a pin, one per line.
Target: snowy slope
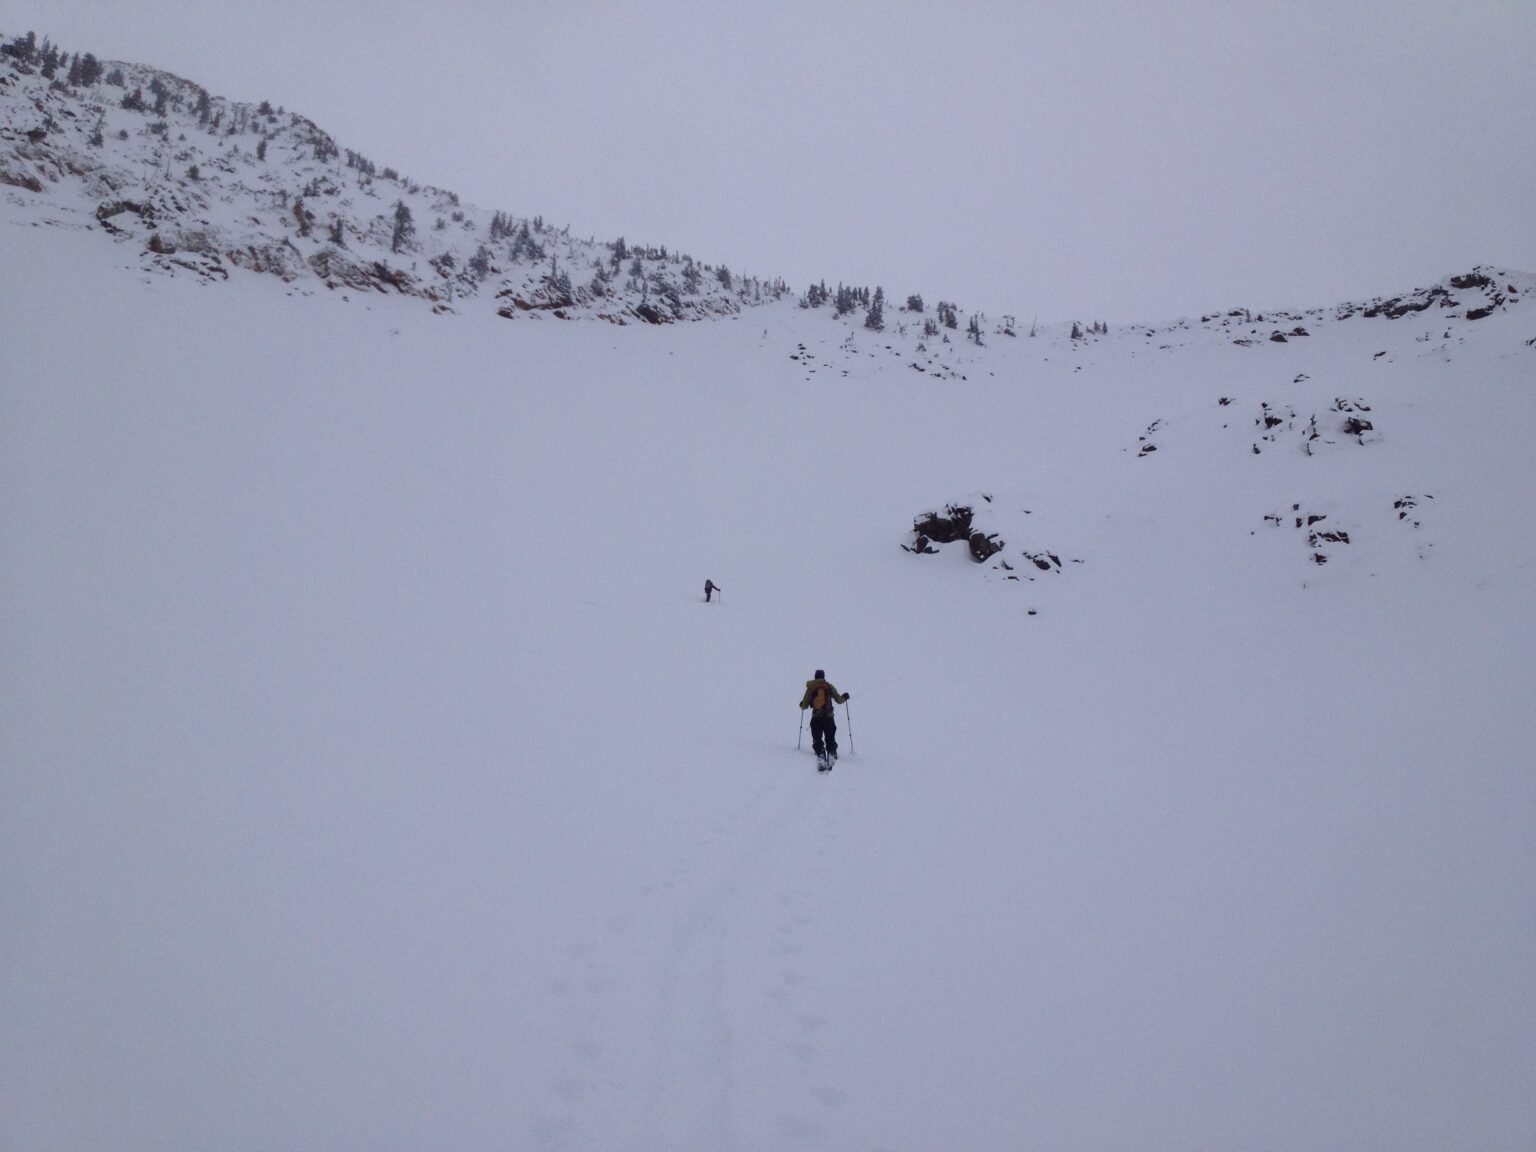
(195, 185)
(374, 775)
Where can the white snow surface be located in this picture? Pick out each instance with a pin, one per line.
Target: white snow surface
(375, 776)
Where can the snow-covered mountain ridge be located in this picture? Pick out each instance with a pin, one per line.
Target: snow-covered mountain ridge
(200, 185)
(196, 184)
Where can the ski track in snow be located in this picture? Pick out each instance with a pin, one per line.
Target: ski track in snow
(678, 954)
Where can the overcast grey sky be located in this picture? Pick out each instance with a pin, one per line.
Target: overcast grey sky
(1088, 160)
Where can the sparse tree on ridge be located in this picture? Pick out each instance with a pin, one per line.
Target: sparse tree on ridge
(875, 318)
(405, 227)
(23, 48)
(558, 282)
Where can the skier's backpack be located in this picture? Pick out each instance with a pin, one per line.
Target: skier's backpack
(819, 698)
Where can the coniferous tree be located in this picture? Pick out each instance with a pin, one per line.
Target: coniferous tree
(23, 48)
(523, 244)
(404, 229)
(875, 318)
(558, 283)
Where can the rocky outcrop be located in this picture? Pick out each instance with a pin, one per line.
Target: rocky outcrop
(953, 525)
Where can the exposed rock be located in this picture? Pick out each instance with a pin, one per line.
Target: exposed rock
(16, 179)
(335, 266)
(984, 545)
(280, 259)
(953, 525)
(108, 210)
(1473, 279)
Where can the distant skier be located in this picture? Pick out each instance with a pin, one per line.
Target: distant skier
(710, 588)
(820, 696)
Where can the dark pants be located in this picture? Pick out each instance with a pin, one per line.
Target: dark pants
(824, 733)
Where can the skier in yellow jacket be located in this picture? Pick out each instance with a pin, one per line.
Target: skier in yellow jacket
(820, 696)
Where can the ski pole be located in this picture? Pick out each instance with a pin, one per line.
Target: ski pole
(802, 730)
(848, 716)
